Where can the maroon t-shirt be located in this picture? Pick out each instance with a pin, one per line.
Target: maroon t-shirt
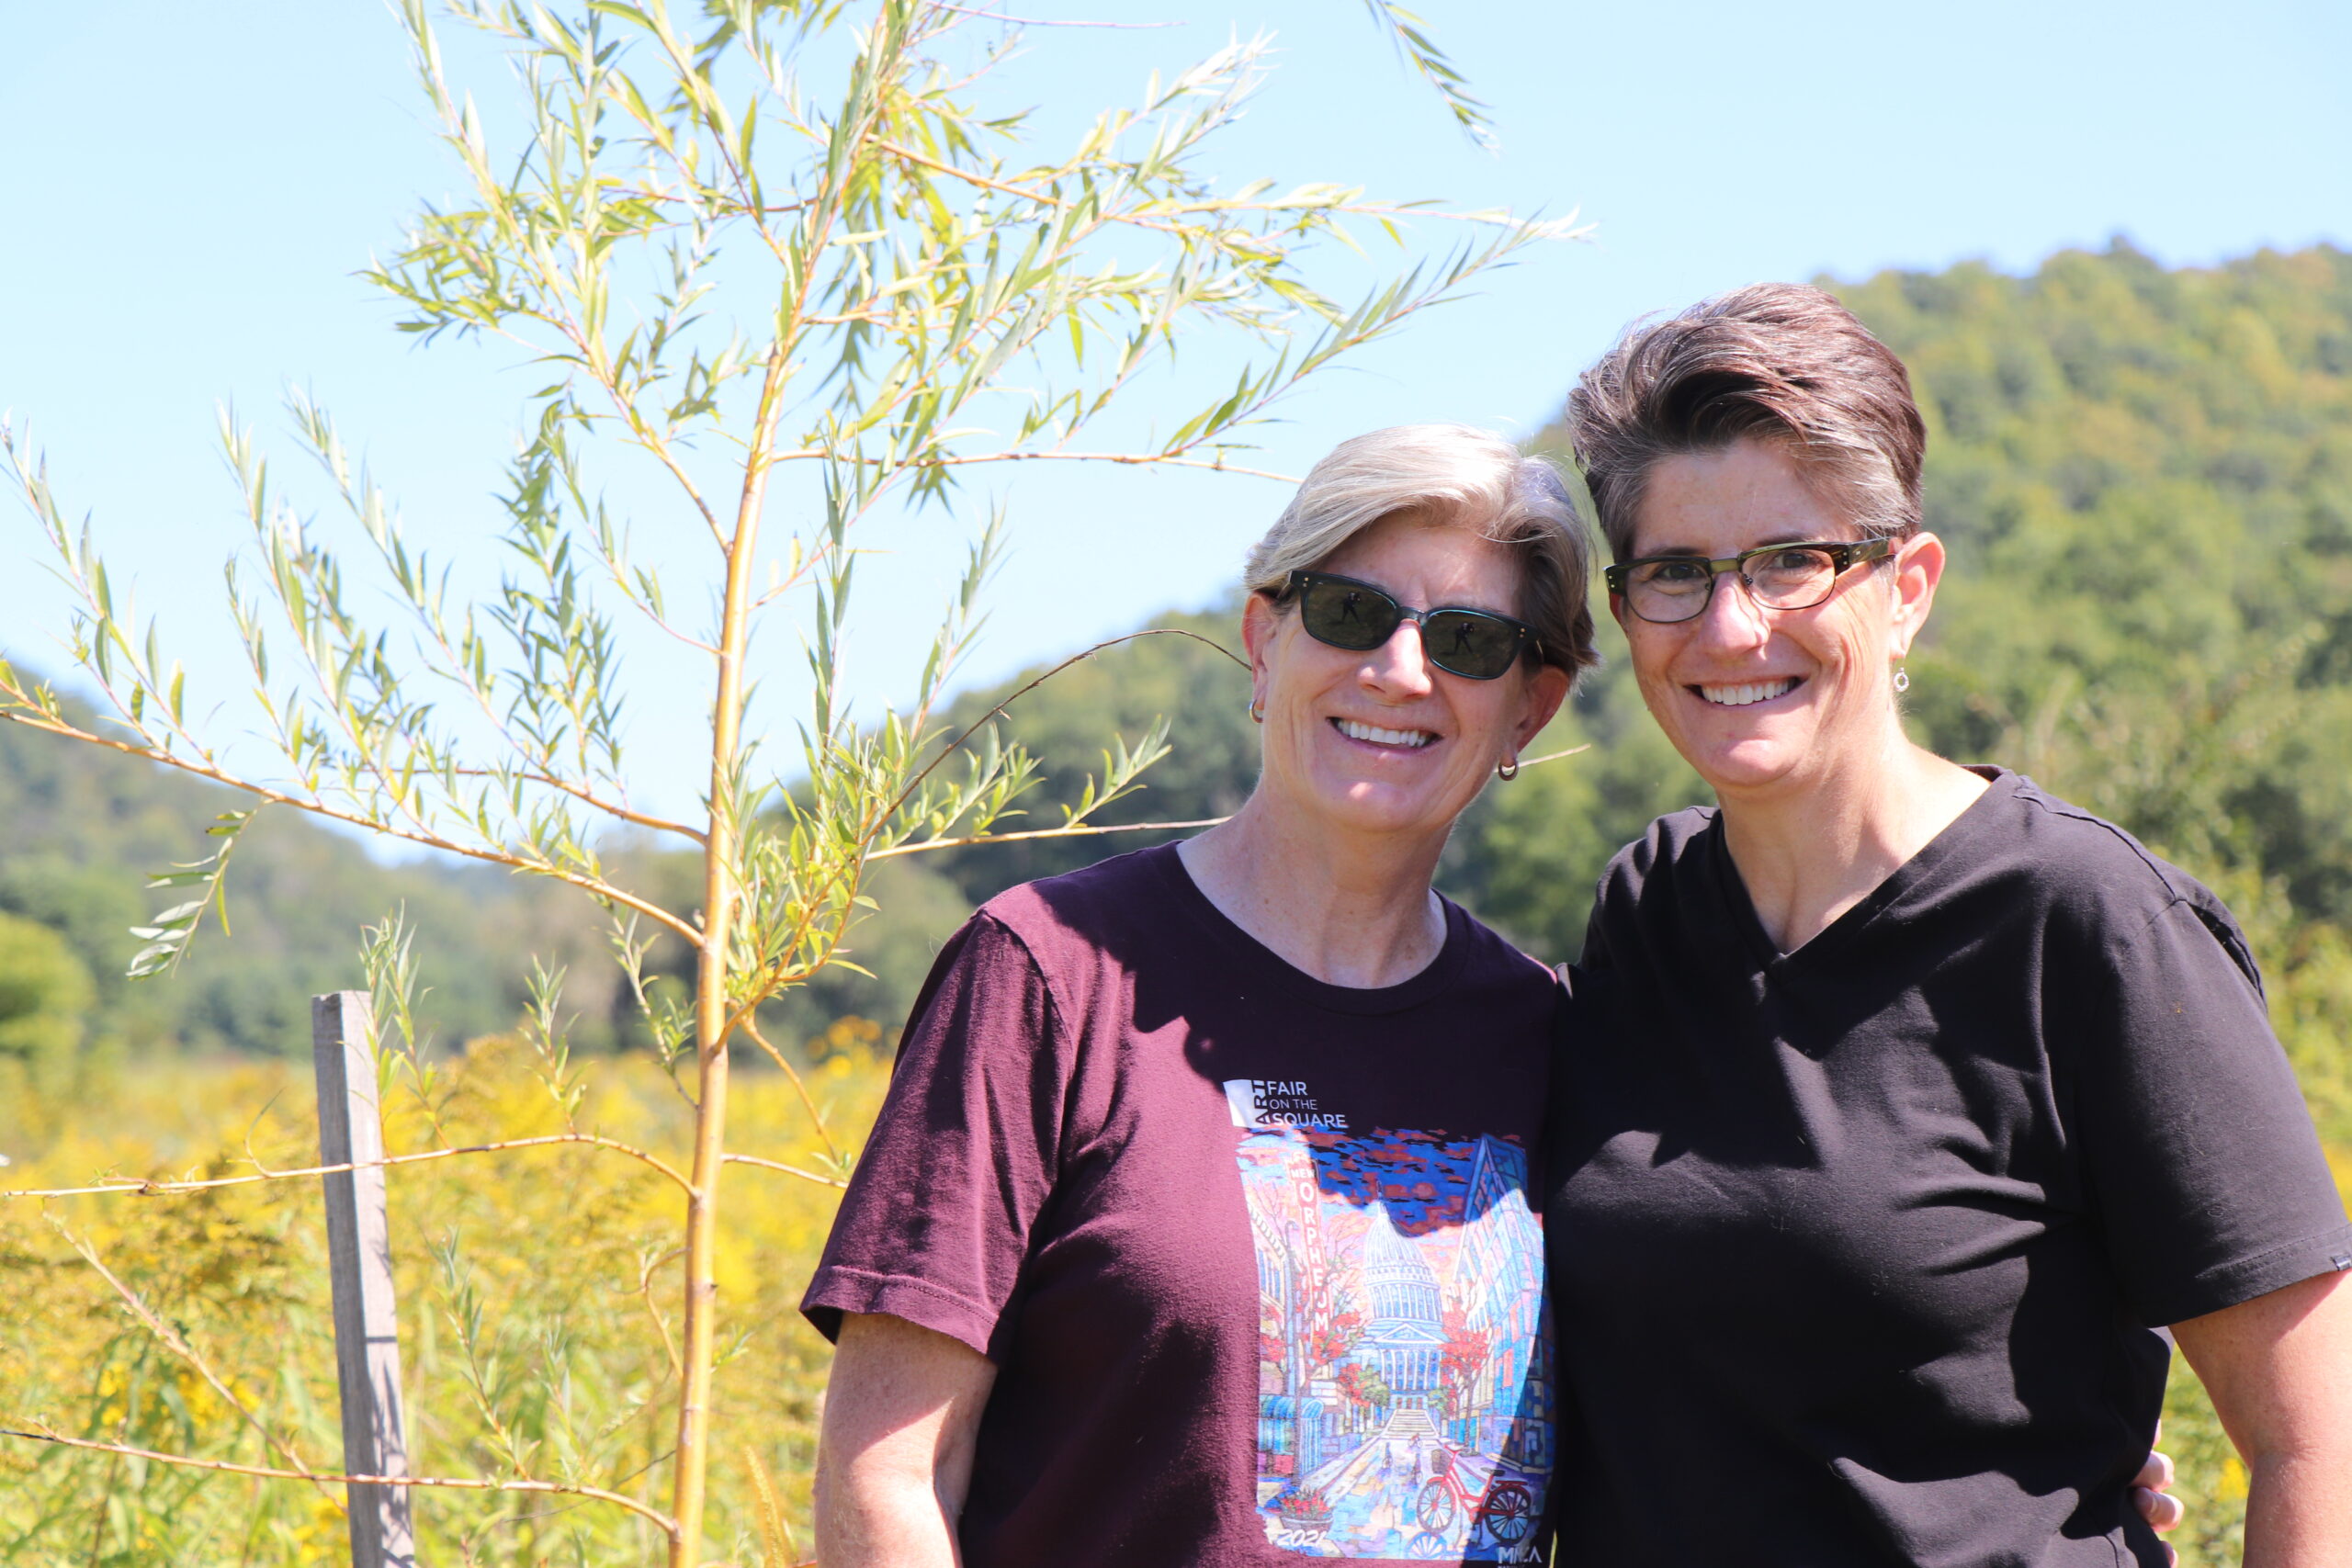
(1253, 1254)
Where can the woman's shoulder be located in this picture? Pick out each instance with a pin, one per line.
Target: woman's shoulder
(2075, 856)
(1490, 958)
(1103, 906)
(1656, 891)
(1671, 845)
(2041, 857)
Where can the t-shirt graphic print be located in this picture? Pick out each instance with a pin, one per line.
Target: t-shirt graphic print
(1405, 1403)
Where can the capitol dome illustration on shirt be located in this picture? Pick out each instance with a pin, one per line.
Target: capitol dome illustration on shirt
(1403, 1339)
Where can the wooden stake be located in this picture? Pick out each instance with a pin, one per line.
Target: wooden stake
(359, 1259)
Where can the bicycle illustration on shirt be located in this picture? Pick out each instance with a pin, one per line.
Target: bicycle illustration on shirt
(1450, 1510)
(1505, 1513)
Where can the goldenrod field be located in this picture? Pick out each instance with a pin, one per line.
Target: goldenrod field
(537, 1288)
(532, 1342)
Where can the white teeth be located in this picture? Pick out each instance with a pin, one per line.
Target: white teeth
(1740, 696)
(1413, 738)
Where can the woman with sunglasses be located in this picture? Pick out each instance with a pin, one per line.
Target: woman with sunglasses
(1905, 1105)
(1195, 1229)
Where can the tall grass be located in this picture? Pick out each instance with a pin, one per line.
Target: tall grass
(533, 1288)
(532, 1342)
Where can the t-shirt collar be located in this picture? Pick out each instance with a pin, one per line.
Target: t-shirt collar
(1261, 965)
(1922, 869)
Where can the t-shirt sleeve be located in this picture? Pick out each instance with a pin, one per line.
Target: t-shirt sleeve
(1594, 957)
(2202, 1158)
(939, 1214)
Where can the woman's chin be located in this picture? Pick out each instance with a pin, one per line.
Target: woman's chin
(1741, 767)
(1369, 807)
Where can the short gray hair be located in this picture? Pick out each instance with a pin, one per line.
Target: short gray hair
(1459, 476)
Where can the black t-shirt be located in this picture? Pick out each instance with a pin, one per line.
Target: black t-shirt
(1858, 1252)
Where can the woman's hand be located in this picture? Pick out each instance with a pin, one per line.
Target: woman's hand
(894, 1453)
(2152, 1494)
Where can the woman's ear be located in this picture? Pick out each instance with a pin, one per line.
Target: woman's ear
(1918, 566)
(1260, 624)
(1546, 690)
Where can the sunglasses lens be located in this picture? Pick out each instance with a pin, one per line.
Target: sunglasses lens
(1346, 616)
(1477, 645)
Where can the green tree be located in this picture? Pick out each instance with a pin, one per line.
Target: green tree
(46, 996)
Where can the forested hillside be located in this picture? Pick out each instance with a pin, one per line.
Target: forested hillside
(2144, 476)
(84, 829)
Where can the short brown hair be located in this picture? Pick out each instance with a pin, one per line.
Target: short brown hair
(1457, 476)
(1778, 362)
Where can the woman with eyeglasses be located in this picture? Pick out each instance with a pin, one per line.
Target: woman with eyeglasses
(1197, 1229)
(1904, 1106)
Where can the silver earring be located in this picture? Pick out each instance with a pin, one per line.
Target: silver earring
(1257, 711)
(1507, 770)
(1902, 679)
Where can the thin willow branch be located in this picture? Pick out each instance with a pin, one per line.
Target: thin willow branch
(767, 983)
(998, 712)
(177, 1343)
(774, 977)
(1082, 830)
(1425, 57)
(1149, 215)
(397, 784)
(966, 460)
(492, 191)
(593, 885)
(661, 623)
(1150, 460)
(787, 1169)
(1152, 215)
(1047, 22)
(653, 1515)
(154, 1189)
(644, 1292)
(590, 797)
(799, 1086)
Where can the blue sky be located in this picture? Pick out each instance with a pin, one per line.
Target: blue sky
(192, 187)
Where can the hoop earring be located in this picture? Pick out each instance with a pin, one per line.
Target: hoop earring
(1507, 770)
(1902, 679)
(1257, 711)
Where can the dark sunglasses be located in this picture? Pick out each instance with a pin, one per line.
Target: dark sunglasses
(1344, 613)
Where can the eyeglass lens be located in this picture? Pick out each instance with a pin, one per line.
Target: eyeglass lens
(1794, 578)
(1359, 618)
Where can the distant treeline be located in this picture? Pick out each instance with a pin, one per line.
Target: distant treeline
(2144, 476)
(2144, 479)
(84, 830)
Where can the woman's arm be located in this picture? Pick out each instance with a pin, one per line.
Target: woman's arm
(2279, 1369)
(894, 1456)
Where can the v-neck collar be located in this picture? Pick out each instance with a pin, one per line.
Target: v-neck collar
(2002, 785)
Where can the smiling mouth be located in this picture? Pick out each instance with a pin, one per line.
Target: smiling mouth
(1411, 739)
(1742, 696)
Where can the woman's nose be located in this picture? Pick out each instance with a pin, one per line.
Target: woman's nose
(1732, 617)
(1399, 666)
